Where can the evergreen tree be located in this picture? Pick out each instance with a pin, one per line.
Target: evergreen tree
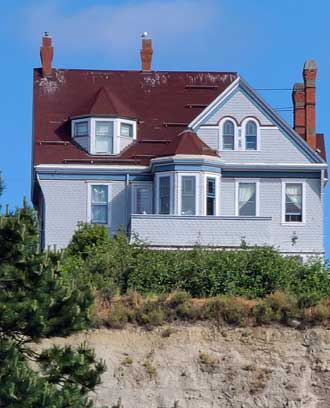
(38, 299)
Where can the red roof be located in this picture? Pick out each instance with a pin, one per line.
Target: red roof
(162, 102)
(187, 142)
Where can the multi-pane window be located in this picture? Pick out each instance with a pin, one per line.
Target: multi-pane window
(104, 137)
(210, 196)
(142, 200)
(81, 129)
(164, 195)
(99, 204)
(228, 136)
(188, 195)
(293, 202)
(251, 135)
(126, 130)
(247, 199)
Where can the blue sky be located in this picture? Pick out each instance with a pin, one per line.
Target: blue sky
(266, 42)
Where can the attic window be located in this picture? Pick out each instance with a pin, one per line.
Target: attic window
(103, 135)
(81, 129)
(126, 130)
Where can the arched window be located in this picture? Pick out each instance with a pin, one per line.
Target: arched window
(251, 135)
(228, 137)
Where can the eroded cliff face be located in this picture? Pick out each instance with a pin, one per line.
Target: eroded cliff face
(202, 366)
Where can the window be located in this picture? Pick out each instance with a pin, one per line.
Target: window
(251, 135)
(164, 195)
(104, 137)
(210, 196)
(228, 140)
(142, 200)
(81, 129)
(293, 202)
(126, 130)
(99, 204)
(188, 195)
(247, 199)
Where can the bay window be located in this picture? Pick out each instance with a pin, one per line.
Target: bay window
(81, 129)
(164, 203)
(188, 195)
(104, 137)
(210, 196)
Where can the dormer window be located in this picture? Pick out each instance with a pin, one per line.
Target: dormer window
(104, 136)
(126, 130)
(81, 129)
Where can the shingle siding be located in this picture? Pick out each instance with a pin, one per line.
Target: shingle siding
(239, 107)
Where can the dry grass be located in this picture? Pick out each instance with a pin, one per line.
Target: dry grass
(152, 311)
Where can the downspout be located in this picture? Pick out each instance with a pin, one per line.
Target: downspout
(128, 220)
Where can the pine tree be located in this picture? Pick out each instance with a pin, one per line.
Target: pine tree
(37, 300)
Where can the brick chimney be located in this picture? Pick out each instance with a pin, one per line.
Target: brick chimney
(46, 55)
(309, 73)
(146, 52)
(298, 99)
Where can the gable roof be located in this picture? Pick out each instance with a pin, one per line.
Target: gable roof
(239, 83)
(162, 102)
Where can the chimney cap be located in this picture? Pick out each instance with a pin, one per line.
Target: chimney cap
(310, 64)
(298, 86)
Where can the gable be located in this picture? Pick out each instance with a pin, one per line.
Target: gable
(278, 141)
(239, 107)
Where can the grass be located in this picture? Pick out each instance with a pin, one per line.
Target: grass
(153, 311)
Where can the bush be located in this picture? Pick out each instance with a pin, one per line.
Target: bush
(114, 266)
(118, 316)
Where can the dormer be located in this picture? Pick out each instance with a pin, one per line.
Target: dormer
(108, 127)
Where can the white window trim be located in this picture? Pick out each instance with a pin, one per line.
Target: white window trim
(89, 201)
(135, 186)
(156, 198)
(116, 132)
(217, 193)
(221, 124)
(197, 192)
(257, 183)
(243, 130)
(294, 181)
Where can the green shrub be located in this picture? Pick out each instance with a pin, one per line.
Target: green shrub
(88, 238)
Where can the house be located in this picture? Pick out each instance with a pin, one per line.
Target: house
(177, 158)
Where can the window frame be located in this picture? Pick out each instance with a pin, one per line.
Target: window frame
(135, 187)
(197, 193)
(222, 124)
(243, 127)
(96, 120)
(303, 207)
(247, 181)
(76, 122)
(157, 197)
(89, 202)
(92, 132)
(217, 178)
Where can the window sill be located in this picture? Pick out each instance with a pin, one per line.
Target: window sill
(293, 224)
